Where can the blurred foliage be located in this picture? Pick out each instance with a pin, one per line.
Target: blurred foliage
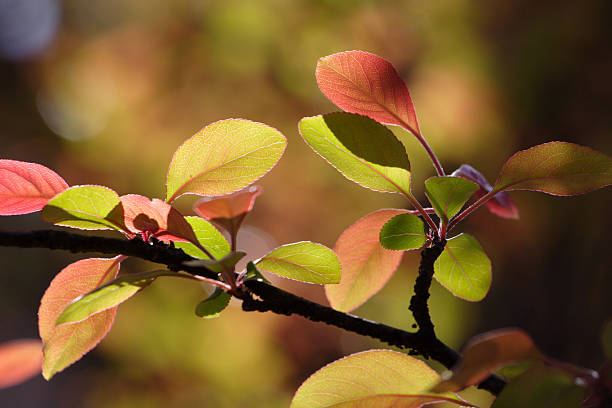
(122, 83)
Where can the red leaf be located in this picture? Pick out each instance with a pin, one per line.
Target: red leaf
(229, 210)
(364, 83)
(501, 204)
(155, 218)
(67, 343)
(19, 361)
(26, 187)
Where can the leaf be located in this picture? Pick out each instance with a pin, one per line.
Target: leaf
(224, 157)
(448, 194)
(63, 345)
(360, 149)
(208, 237)
(304, 261)
(501, 204)
(541, 387)
(487, 352)
(464, 269)
(364, 83)
(366, 265)
(27, 187)
(556, 168)
(20, 360)
(107, 296)
(86, 207)
(212, 306)
(374, 378)
(403, 232)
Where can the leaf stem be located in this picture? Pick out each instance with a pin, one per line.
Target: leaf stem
(420, 210)
(455, 220)
(434, 159)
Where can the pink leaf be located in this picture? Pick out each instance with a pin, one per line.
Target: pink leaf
(366, 265)
(501, 204)
(364, 83)
(19, 361)
(67, 343)
(26, 187)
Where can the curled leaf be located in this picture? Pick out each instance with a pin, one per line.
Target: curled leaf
(20, 360)
(27, 187)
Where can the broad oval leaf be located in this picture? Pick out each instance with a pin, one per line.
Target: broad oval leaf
(448, 194)
(86, 207)
(208, 237)
(362, 150)
(213, 305)
(464, 269)
(107, 296)
(501, 204)
(20, 360)
(366, 265)
(364, 83)
(403, 232)
(487, 352)
(67, 343)
(27, 187)
(224, 157)
(304, 261)
(556, 168)
(372, 379)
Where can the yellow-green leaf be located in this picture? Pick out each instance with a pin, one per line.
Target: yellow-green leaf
(208, 236)
(448, 194)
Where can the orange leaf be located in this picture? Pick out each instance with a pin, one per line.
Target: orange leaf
(19, 361)
(229, 210)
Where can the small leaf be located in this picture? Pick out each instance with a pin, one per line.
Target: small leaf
(27, 187)
(464, 269)
(501, 204)
(364, 83)
(366, 265)
(253, 273)
(362, 150)
(208, 237)
(107, 296)
(20, 360)
(448, 194)
(86, 207)
(304, 261)
(63, 345)
(213, 305)
(403, 232)
(487, 352)
(224, 157)
(372, 379)
(556, 168)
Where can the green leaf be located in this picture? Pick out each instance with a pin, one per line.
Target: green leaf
(371, 379)
(253, 273)
(448, 194)
(224, 157)
(213, 305)
(557, 168)
(403, 232)
(464, 268)
(304, 261)
(107, 296)
(208, 236)
(363, 150)
(86, 207)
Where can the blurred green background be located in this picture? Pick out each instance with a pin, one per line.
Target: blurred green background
(104, 91)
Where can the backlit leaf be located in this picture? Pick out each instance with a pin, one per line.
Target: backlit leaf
(403, 232)
(107, 296)
(304, 261)
(371, 379)
(20, 360)
(463, 268)
(364, 83)
(86, 207)
(213, 305)
(362, 150)
(67, 343)
(487, 352)
(366, 265)
(208, 237)
(448, 194)
(224, 157)
(557, 168)
(27, 187)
